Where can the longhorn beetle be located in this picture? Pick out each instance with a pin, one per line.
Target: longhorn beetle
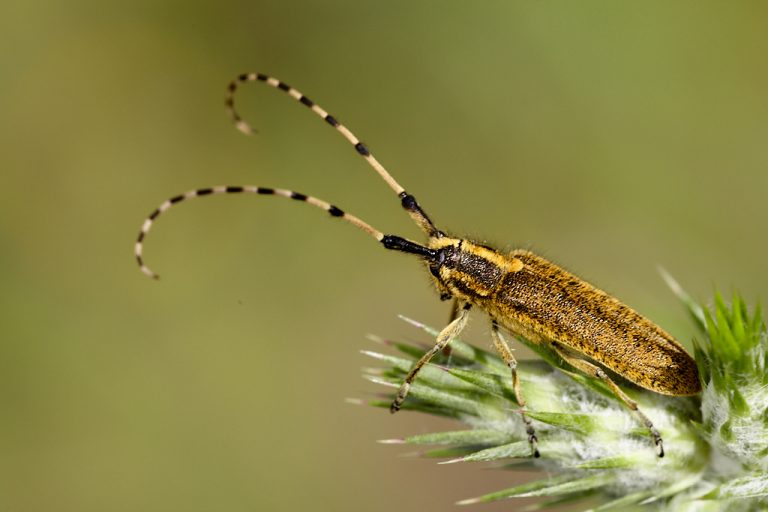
(521, 292)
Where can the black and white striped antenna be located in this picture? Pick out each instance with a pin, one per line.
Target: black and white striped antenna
(408, 202)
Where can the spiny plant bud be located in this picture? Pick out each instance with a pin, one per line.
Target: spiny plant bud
(716, 442)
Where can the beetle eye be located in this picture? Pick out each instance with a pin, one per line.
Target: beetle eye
(434, 267)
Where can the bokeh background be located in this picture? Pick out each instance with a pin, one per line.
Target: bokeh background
(610, 137)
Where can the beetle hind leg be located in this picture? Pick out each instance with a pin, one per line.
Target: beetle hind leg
(595, 371)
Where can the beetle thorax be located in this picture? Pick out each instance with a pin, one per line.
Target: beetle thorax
(468, 271)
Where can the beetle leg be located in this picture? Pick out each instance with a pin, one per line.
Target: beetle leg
(595, 371)
(446, 335)
(455, 310)
(506, 354)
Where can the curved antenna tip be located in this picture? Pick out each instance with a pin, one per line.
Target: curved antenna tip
(149, 273)
(244, 127)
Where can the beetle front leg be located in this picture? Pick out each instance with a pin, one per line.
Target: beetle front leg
(446, 335)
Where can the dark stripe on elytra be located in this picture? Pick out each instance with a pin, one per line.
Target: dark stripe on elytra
(335, 212)
(298, 196)
(283, 86)
(360, 147)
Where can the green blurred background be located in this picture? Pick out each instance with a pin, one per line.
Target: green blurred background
(609, 137)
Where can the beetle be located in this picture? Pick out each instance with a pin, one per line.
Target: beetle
(522, 293)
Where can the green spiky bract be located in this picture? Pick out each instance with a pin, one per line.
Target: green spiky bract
(591, 445)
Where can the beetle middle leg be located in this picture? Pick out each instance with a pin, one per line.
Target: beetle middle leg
(509, 359)
(446, 335)
(594, 370)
